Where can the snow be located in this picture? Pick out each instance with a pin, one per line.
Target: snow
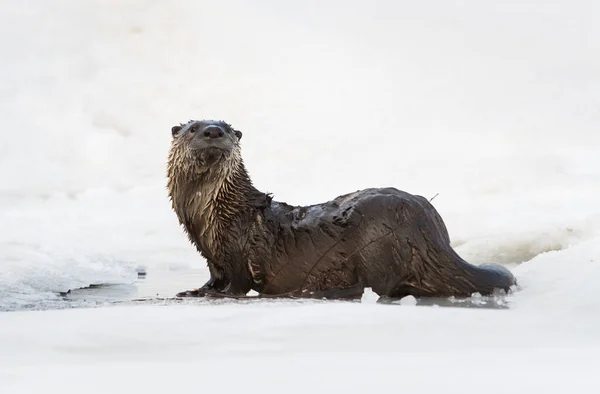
(493, 106)
(408, 300)
(298, 347)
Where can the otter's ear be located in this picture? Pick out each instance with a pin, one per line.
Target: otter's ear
(175, 130)
(238, 134)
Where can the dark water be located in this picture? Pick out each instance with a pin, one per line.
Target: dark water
(150, 290)
(492, 302)
(158, 284)
(161, 286)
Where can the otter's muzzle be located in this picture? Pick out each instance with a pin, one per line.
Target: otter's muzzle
(211, 144)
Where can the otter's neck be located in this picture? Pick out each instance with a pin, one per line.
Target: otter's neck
(218, 208)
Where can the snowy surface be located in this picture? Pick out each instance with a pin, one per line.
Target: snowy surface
(297, 348)
(493, 106)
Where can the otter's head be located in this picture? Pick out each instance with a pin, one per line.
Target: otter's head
(205, 144)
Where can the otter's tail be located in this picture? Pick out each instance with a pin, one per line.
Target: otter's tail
(455, 275)
(489, 277)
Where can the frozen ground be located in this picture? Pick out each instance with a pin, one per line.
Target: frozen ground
(494, 107)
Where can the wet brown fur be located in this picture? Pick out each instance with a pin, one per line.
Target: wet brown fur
(252, 242)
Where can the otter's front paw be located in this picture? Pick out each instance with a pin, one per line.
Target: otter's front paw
(192, 293)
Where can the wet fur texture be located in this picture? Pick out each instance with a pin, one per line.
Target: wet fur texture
(389, 240)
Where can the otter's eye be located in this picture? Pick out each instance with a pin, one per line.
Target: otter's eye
(192, 129)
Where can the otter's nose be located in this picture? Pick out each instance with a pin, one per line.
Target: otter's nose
(213, 132)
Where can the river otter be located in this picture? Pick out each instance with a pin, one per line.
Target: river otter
(383, 238)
